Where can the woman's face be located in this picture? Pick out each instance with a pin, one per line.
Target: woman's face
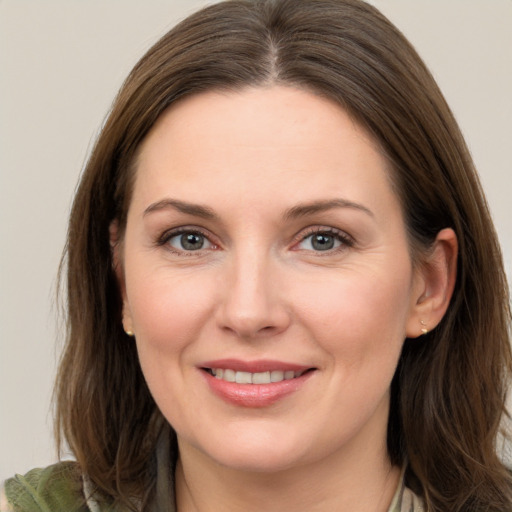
(264, 245)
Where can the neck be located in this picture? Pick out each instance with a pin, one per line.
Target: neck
(364, 481)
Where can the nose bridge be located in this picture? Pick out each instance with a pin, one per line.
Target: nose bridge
(252, 303)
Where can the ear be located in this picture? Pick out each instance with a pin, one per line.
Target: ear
(434, 284)
(116, 248)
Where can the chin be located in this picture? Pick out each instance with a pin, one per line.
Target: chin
(258, 452)
(257, 461)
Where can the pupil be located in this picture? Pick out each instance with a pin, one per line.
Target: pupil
(322, 242)
(191, 241)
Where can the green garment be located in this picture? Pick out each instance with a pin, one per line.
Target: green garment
(59, 488)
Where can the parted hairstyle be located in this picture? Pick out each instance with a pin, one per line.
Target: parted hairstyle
(449, 390)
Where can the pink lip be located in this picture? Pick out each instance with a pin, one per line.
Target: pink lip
(264, 365)
(254, 395)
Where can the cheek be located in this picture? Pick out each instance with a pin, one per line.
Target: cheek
(359, 315)
(168, 309)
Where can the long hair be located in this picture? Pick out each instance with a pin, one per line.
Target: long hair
(448, 393)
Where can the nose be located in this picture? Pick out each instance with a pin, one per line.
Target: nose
(253, 303)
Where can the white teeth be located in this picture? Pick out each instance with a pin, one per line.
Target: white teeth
(243, 378)
(254, 378)
(229, 375)
(276, 376)
(261, 378)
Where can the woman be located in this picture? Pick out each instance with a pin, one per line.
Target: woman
(285, 290)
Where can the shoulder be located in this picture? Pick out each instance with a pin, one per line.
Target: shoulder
(57, 488)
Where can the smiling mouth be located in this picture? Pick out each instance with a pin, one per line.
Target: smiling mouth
(269, 377)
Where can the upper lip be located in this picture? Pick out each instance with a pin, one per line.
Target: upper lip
(263, 365)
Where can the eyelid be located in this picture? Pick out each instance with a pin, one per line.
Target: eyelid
(344, 237)
(164, 238)
(346, 240)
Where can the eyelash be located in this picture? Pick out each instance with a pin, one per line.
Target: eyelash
(345, 240)
(168, 235)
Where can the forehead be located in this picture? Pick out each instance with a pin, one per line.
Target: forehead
(262, 113)
(260, 142)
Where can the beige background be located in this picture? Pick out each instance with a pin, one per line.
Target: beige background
(61, 63)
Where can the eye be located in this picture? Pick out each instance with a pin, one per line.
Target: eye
(187, 241)
(323, 240)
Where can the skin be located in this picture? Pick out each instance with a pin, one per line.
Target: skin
(259, 289)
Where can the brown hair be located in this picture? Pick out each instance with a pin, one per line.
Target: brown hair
(449, 390)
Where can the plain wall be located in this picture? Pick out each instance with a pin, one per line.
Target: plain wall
(61, 63)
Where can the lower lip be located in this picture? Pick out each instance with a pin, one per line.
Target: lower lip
(254, 395)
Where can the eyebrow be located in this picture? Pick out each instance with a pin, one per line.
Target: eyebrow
(302, 210)
(196, 210)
